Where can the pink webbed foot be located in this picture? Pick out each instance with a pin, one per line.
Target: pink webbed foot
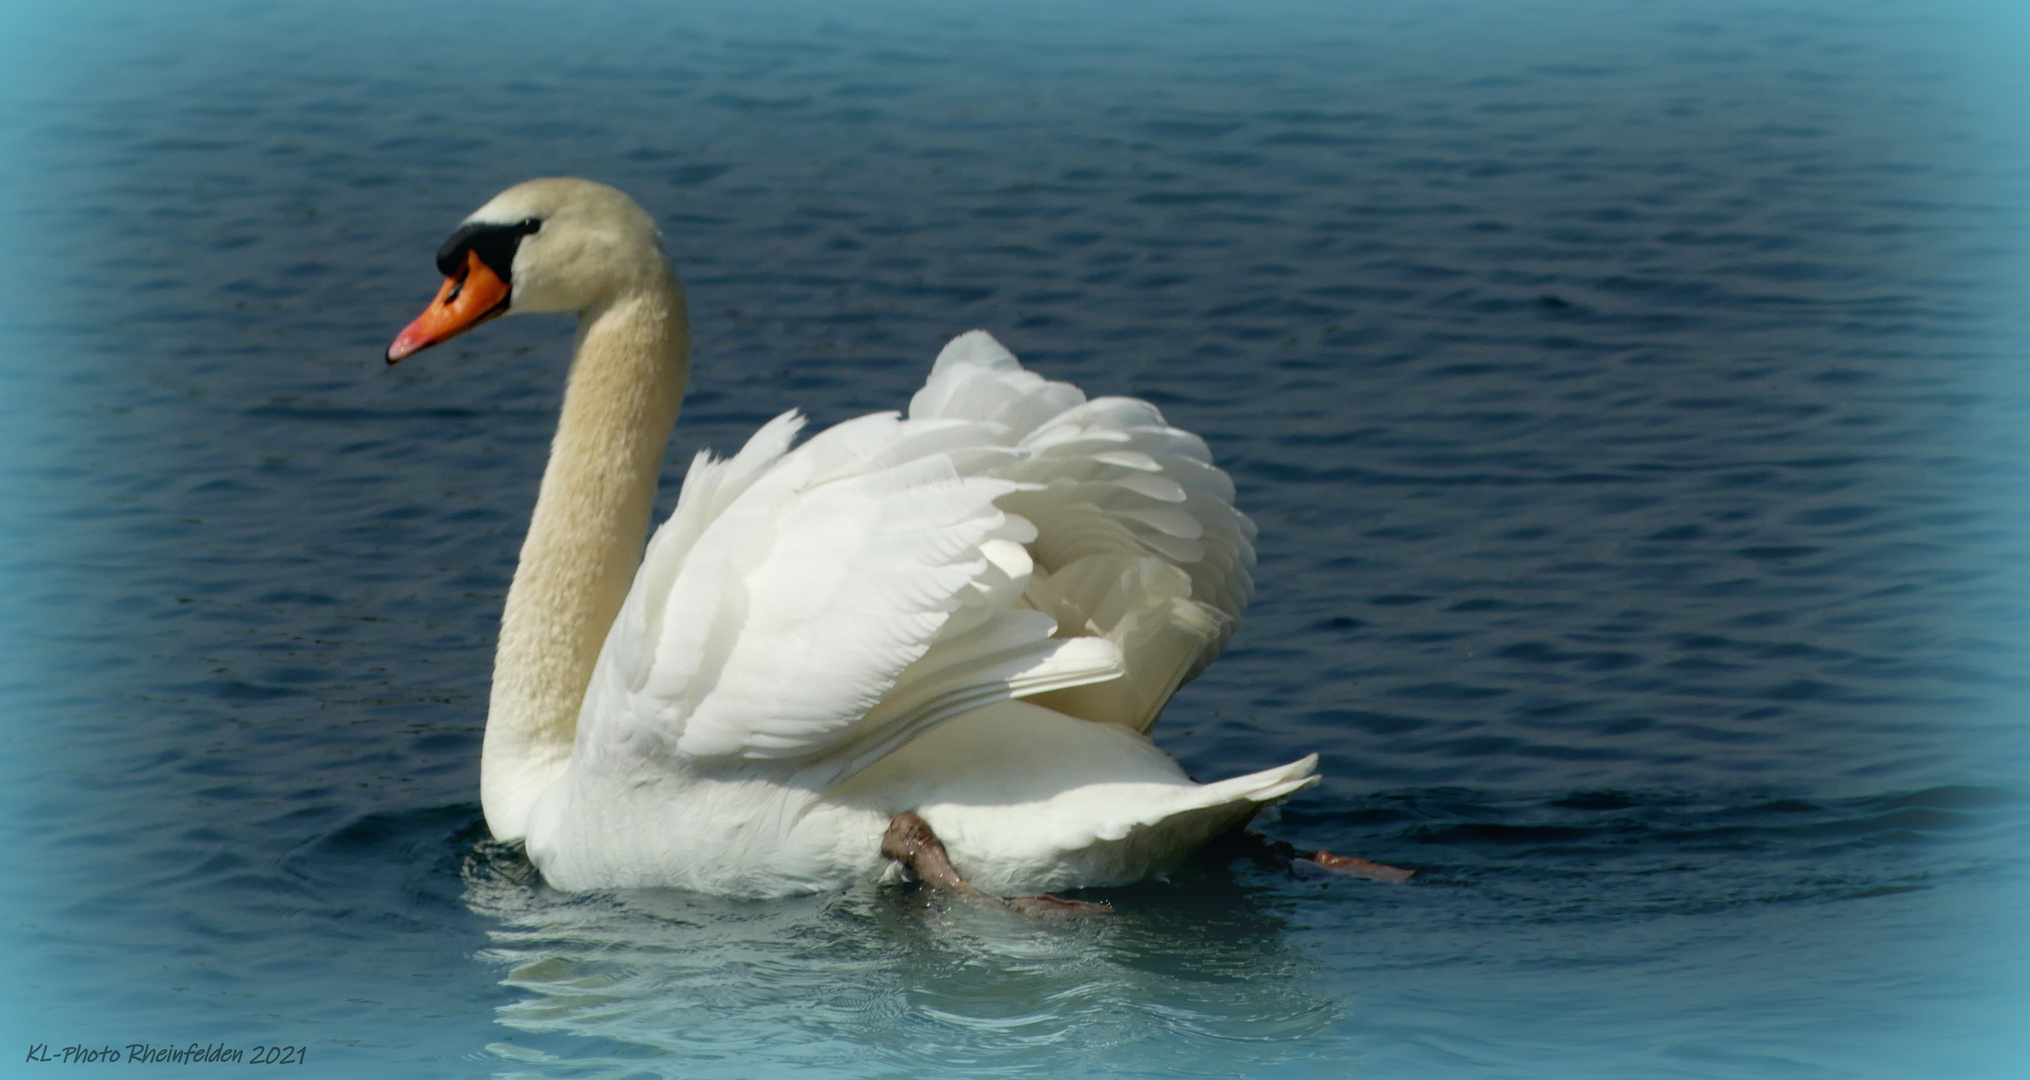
(1352, 867)
(1282, 856)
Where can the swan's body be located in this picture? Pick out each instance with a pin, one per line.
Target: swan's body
(973, 612)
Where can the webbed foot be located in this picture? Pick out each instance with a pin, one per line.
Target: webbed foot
(1046, 906)
(1352, 867)
(910, 842)
(1281, 855)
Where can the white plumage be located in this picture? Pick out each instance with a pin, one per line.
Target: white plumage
(822, 637)
(974, 612)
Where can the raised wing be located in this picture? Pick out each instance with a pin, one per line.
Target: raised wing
(1138, 539)
(825, 604)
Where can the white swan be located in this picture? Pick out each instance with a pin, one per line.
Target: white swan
(966, 618)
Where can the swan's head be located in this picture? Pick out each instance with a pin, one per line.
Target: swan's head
(558, 244)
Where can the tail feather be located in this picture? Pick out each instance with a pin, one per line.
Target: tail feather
(1029, 800)
(1157, 840)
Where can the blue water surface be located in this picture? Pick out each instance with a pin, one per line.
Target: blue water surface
(1631, 396)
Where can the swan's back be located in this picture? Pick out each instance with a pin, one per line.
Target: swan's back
(1008, 538)
(807, 611)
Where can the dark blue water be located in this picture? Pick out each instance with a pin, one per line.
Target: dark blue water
(1632, 402)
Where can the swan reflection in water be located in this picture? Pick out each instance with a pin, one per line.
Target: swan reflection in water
(1187, 979)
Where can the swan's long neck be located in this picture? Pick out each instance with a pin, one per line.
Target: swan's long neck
(585, 540)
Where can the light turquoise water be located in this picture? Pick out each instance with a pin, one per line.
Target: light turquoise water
(1631, 401)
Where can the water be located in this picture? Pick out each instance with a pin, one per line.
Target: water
(1631, 401)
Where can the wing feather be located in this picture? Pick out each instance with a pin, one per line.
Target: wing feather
(825, 604)
(1109, 484)
(828, 603)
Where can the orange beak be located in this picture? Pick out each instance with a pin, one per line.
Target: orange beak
(473, 296)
